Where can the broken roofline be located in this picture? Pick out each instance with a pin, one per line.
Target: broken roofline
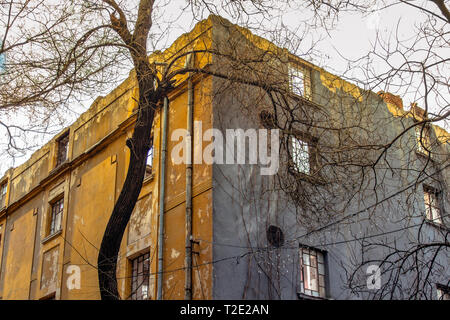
(332, 82)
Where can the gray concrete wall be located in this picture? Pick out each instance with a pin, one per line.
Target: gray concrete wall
(246, 203)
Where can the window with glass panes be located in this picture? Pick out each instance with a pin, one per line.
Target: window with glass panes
(312, 268)
(140, 276)
(296, 81)
(148, 169)
(432, 208)
(423, 138)
(56, 216)
(63, 148)
(300, 155)
(3, 189)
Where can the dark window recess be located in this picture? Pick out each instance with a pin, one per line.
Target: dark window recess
(275, 236)
(3, 189)
(63, 148)
(140, 277)
(56, 217)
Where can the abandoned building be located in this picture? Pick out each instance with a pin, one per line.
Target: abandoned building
(307, 232)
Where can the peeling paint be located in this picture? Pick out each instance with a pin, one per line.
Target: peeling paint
(175, 254)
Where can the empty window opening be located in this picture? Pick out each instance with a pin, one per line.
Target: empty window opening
(275, 236)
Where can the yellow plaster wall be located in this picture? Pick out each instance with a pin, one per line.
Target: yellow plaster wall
(18, 260)
(95, 201)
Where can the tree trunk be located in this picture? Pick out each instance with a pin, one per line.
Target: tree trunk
(139, 145)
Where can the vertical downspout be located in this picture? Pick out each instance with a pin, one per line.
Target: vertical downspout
(161, 200)
(188, 241)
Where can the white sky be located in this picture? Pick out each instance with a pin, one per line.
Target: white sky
(350, 38)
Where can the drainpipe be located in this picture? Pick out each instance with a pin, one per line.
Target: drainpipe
(188, 240)
(161, 200)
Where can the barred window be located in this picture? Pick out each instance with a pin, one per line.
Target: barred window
(312, 275)
(140, 277)
(432, 208)
(56, 216)
(63, 148)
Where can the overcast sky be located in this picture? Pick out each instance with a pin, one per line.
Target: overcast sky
(351, 38)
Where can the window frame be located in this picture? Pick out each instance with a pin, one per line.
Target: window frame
(321, 291)
(150, 155)
(63, 140)
(311, 143)
(51, 221)
(135, 287)
(3, 196)
(428, 192)
(294, 72)
(300, 155)
(422, 135)
(442, 292)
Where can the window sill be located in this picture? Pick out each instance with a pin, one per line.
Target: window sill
(424, 154)
(305, 98)
(302, 296)
(311, 178)
(148, 178)
(51, 236)
(60, 166)
(437, 225)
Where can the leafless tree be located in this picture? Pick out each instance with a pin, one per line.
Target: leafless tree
(58, 53)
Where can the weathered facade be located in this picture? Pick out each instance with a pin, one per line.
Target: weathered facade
(57, 204)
